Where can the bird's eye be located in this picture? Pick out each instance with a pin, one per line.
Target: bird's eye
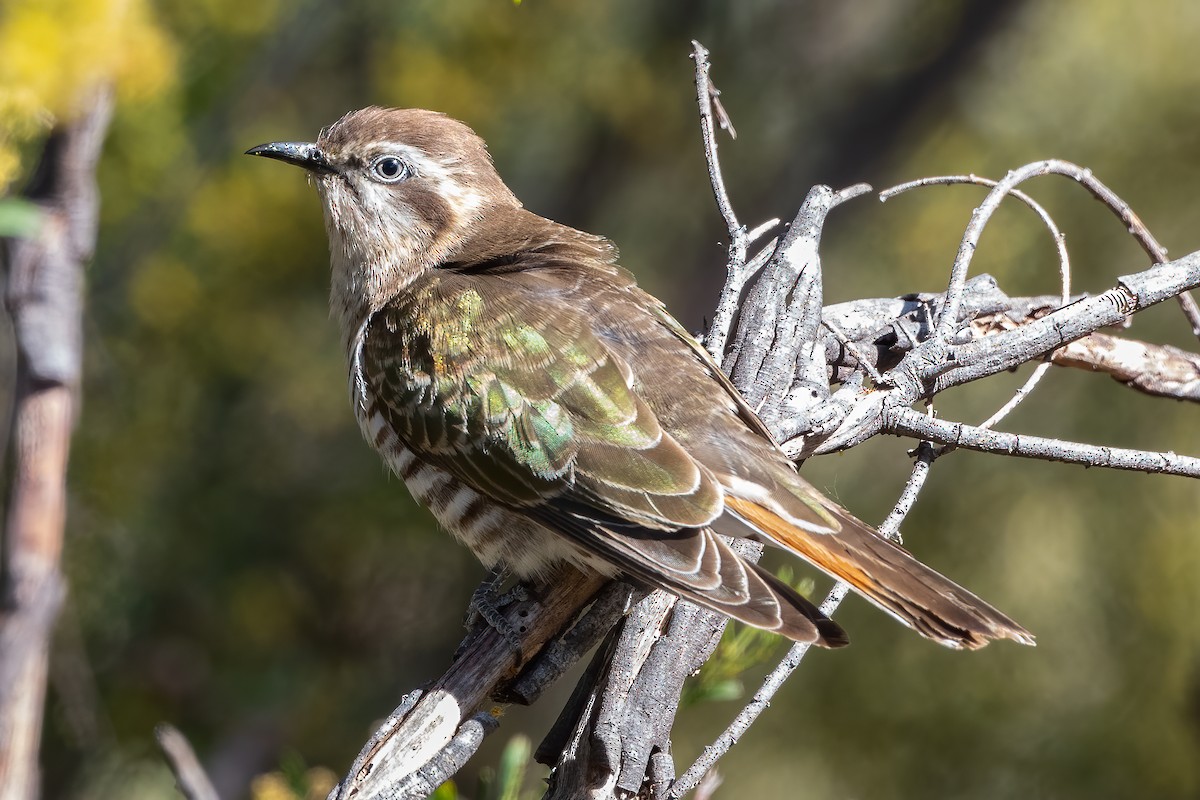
(389, 169)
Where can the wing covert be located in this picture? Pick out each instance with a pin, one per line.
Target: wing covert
(527, 405)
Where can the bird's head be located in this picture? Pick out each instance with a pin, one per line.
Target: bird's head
(403, 190)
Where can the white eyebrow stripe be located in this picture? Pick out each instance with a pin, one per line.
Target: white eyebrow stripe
(465, 201)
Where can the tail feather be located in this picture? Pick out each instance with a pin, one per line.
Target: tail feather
(700, 566)
(760, 599)
(889, 577)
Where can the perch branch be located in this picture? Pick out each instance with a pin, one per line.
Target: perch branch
(426, 736)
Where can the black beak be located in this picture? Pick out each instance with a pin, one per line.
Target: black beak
(303, 154)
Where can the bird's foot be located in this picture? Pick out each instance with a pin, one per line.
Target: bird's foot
(488, 604)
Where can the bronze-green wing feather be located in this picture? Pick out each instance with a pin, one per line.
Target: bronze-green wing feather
(527, 406)
(531, 407)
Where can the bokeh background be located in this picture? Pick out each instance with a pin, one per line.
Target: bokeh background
(242, 566)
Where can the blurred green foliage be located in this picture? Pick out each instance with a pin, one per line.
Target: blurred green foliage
(18, 218)
(241, 564)
(506, 782)
(294, 780)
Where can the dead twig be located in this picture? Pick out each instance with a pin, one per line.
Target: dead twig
(190, 777)
(906, 422)
(1156, 369)
(737, 270)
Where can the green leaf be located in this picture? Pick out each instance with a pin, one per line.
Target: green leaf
(19, 218)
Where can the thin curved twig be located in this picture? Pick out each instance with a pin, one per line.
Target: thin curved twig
(1141, 234)
(190, 777)
(1085, 178)
(1064, 270)
(979, 218)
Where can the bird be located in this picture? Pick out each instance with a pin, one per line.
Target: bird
(548, 411)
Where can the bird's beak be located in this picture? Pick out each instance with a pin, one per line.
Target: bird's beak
(303, 154)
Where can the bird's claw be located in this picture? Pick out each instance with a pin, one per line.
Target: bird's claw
(487, 608)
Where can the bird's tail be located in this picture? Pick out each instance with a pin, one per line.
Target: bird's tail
(700, 566)
(888, 576)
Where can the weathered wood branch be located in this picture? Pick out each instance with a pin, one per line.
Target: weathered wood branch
(427, 727)
(936, 365)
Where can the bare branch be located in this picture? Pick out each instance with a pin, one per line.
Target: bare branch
(1064, 267)
(44, 298)
(883, 330)
(934, 366)
(1141, 233)
(773, 321)
(777, 361)
(1009, 349)
(191, 778)
(1101, 192)
(906, 422)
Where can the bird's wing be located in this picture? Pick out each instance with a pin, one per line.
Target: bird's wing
(530, 407)
(765, 498)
